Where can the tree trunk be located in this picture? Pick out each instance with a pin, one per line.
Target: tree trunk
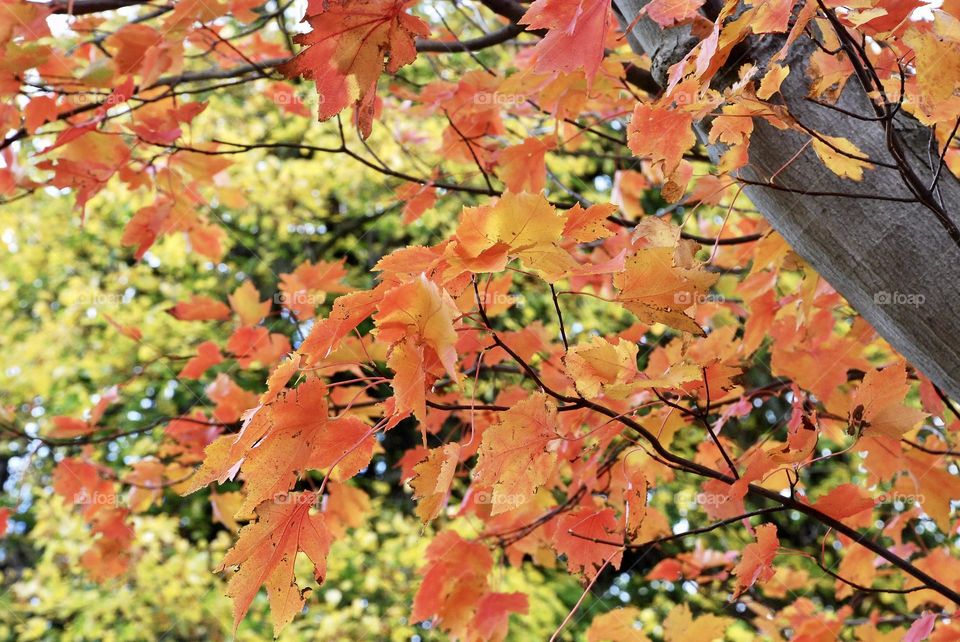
(893, 261)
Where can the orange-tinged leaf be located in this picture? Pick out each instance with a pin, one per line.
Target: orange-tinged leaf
(575, 37)
(431, 484)
(200, 308)
(599, 365)
(416, 200)
(661, 134)
(80, 483)
(772, 80)
(454, 578)
(420, 310)
(344, 447)
(409, 379)
(681, 626)
(773, 16)
(660, 282)
(344, 507)
(756, 561)
(225, 507)
(208, 355)
(522, 167)
(514, 456)
(348, 312)
(246, 303)
(843, 501)
(576, 532)
(350, 44)
(493, 613)
(265, 553)
(877, 406)
(40, 110)
(586, 225)
(525, 226)
(618, 625)
(308, 286)
(670, 12)
(66, 427)
(231, 399)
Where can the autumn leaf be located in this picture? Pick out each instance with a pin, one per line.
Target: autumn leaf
(307, 287)
(523, 225)
(80, 483)
(772, 81)
(756, 560)
(877, 406)
(841, 157)
(350, 44)
(661, 134)
(773, 16)
(493, 612)
(200, 308)
(522, 168)
(265, 553)
(618, 625)
(515, 458)
(680, 625)
(922, 628)
(660, 282)
(422, 311)
(431, 483)
(208, 355)
(584, 225)
(416, 200)
(454, 581)
(844, 501)
(67, 427)
(575, 36)
(601, 365)
(245, 302)
(576, 537)
(670, 12)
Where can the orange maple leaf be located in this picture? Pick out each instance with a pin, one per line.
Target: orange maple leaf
(877, 406)
(434, 474)
(575, 37)
(200, 308)
(662, 134)
(663, 279)
(515, 459)
(577, 535)
(350, 43)
(757, 559)
(265, 553)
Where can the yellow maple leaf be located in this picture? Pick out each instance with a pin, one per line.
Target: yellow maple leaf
(841, 157)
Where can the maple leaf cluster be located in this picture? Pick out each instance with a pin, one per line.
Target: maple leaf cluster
(570, 366)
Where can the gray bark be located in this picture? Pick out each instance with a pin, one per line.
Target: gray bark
(893, 261)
